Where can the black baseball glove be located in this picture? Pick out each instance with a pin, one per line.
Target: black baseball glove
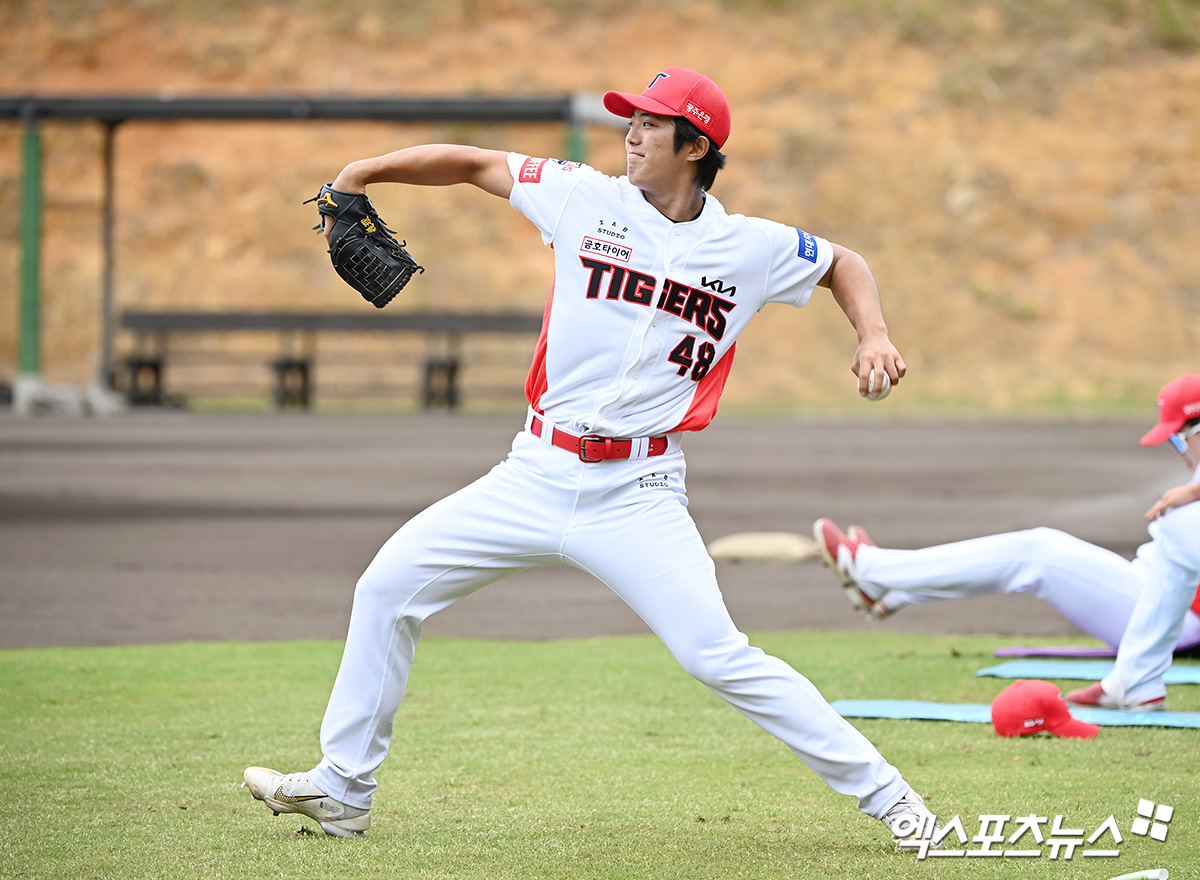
(363, 250)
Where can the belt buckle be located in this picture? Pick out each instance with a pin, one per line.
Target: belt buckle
(607, 441)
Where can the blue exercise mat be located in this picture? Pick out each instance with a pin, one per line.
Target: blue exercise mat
(1083, 670)
(981, 713)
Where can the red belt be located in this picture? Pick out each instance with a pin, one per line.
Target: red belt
(593, 448)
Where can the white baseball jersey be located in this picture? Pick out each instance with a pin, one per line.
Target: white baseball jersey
(680, 293)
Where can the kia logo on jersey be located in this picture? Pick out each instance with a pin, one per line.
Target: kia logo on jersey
(718, 286)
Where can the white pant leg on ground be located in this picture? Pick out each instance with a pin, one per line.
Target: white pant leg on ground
(1171, 570)
(1093, 588)
(544, 506)
(641, 541)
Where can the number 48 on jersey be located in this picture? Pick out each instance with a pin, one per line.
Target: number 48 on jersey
(689, 357)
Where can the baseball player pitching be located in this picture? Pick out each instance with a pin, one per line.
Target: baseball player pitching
(653, 284)
(1146, 607)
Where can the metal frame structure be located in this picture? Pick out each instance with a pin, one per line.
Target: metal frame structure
(576, 111)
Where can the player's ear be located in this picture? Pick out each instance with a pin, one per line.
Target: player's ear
(699, 148)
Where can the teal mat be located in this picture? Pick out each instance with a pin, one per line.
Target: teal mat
(1083, 670)
(981, 713)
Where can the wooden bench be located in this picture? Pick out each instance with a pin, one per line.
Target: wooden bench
(294, 366)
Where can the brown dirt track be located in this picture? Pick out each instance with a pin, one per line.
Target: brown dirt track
(169, 526)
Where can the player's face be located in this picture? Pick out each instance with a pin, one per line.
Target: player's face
(650, 157)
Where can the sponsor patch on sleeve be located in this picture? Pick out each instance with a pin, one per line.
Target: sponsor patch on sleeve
(808, 247)
(531, 171)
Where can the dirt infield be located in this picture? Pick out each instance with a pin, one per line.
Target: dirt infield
(160, 527)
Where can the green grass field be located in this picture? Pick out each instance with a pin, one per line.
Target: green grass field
(559, 759)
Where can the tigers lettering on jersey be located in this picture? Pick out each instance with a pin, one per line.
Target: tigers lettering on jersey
(702, 308)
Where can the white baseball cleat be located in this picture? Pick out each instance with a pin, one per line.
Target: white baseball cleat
(911, 822)
(295, 793)
(838, 551)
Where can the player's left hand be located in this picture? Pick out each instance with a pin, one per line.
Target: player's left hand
(363, 250)
(877, 353)
(1176, 497)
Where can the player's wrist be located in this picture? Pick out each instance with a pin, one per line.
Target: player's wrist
(353, 178)
(872, 333)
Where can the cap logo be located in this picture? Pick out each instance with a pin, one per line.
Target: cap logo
(656, 79)
(1033, 722)
(691, 108)
(1190, 408)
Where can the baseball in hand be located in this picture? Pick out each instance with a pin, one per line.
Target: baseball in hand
(883, 392)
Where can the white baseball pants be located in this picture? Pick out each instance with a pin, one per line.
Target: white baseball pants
(1160, 617)
(624, 521)
(1093, 588)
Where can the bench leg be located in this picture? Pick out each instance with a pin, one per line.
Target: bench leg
(440, 386)
(145, 380)
(293, 382)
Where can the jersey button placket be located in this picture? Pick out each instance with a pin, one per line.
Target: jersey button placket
(648, 322)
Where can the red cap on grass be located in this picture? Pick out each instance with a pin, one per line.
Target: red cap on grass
(677, 91)
(1178, 403)
(1031, 706)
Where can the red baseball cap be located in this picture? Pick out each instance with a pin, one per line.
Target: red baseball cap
(1178, 403)
(1031, 706)
(677, 91)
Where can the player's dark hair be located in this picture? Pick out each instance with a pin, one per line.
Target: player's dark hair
(710, 163)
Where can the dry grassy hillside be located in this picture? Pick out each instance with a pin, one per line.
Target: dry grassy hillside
(1023, 175)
